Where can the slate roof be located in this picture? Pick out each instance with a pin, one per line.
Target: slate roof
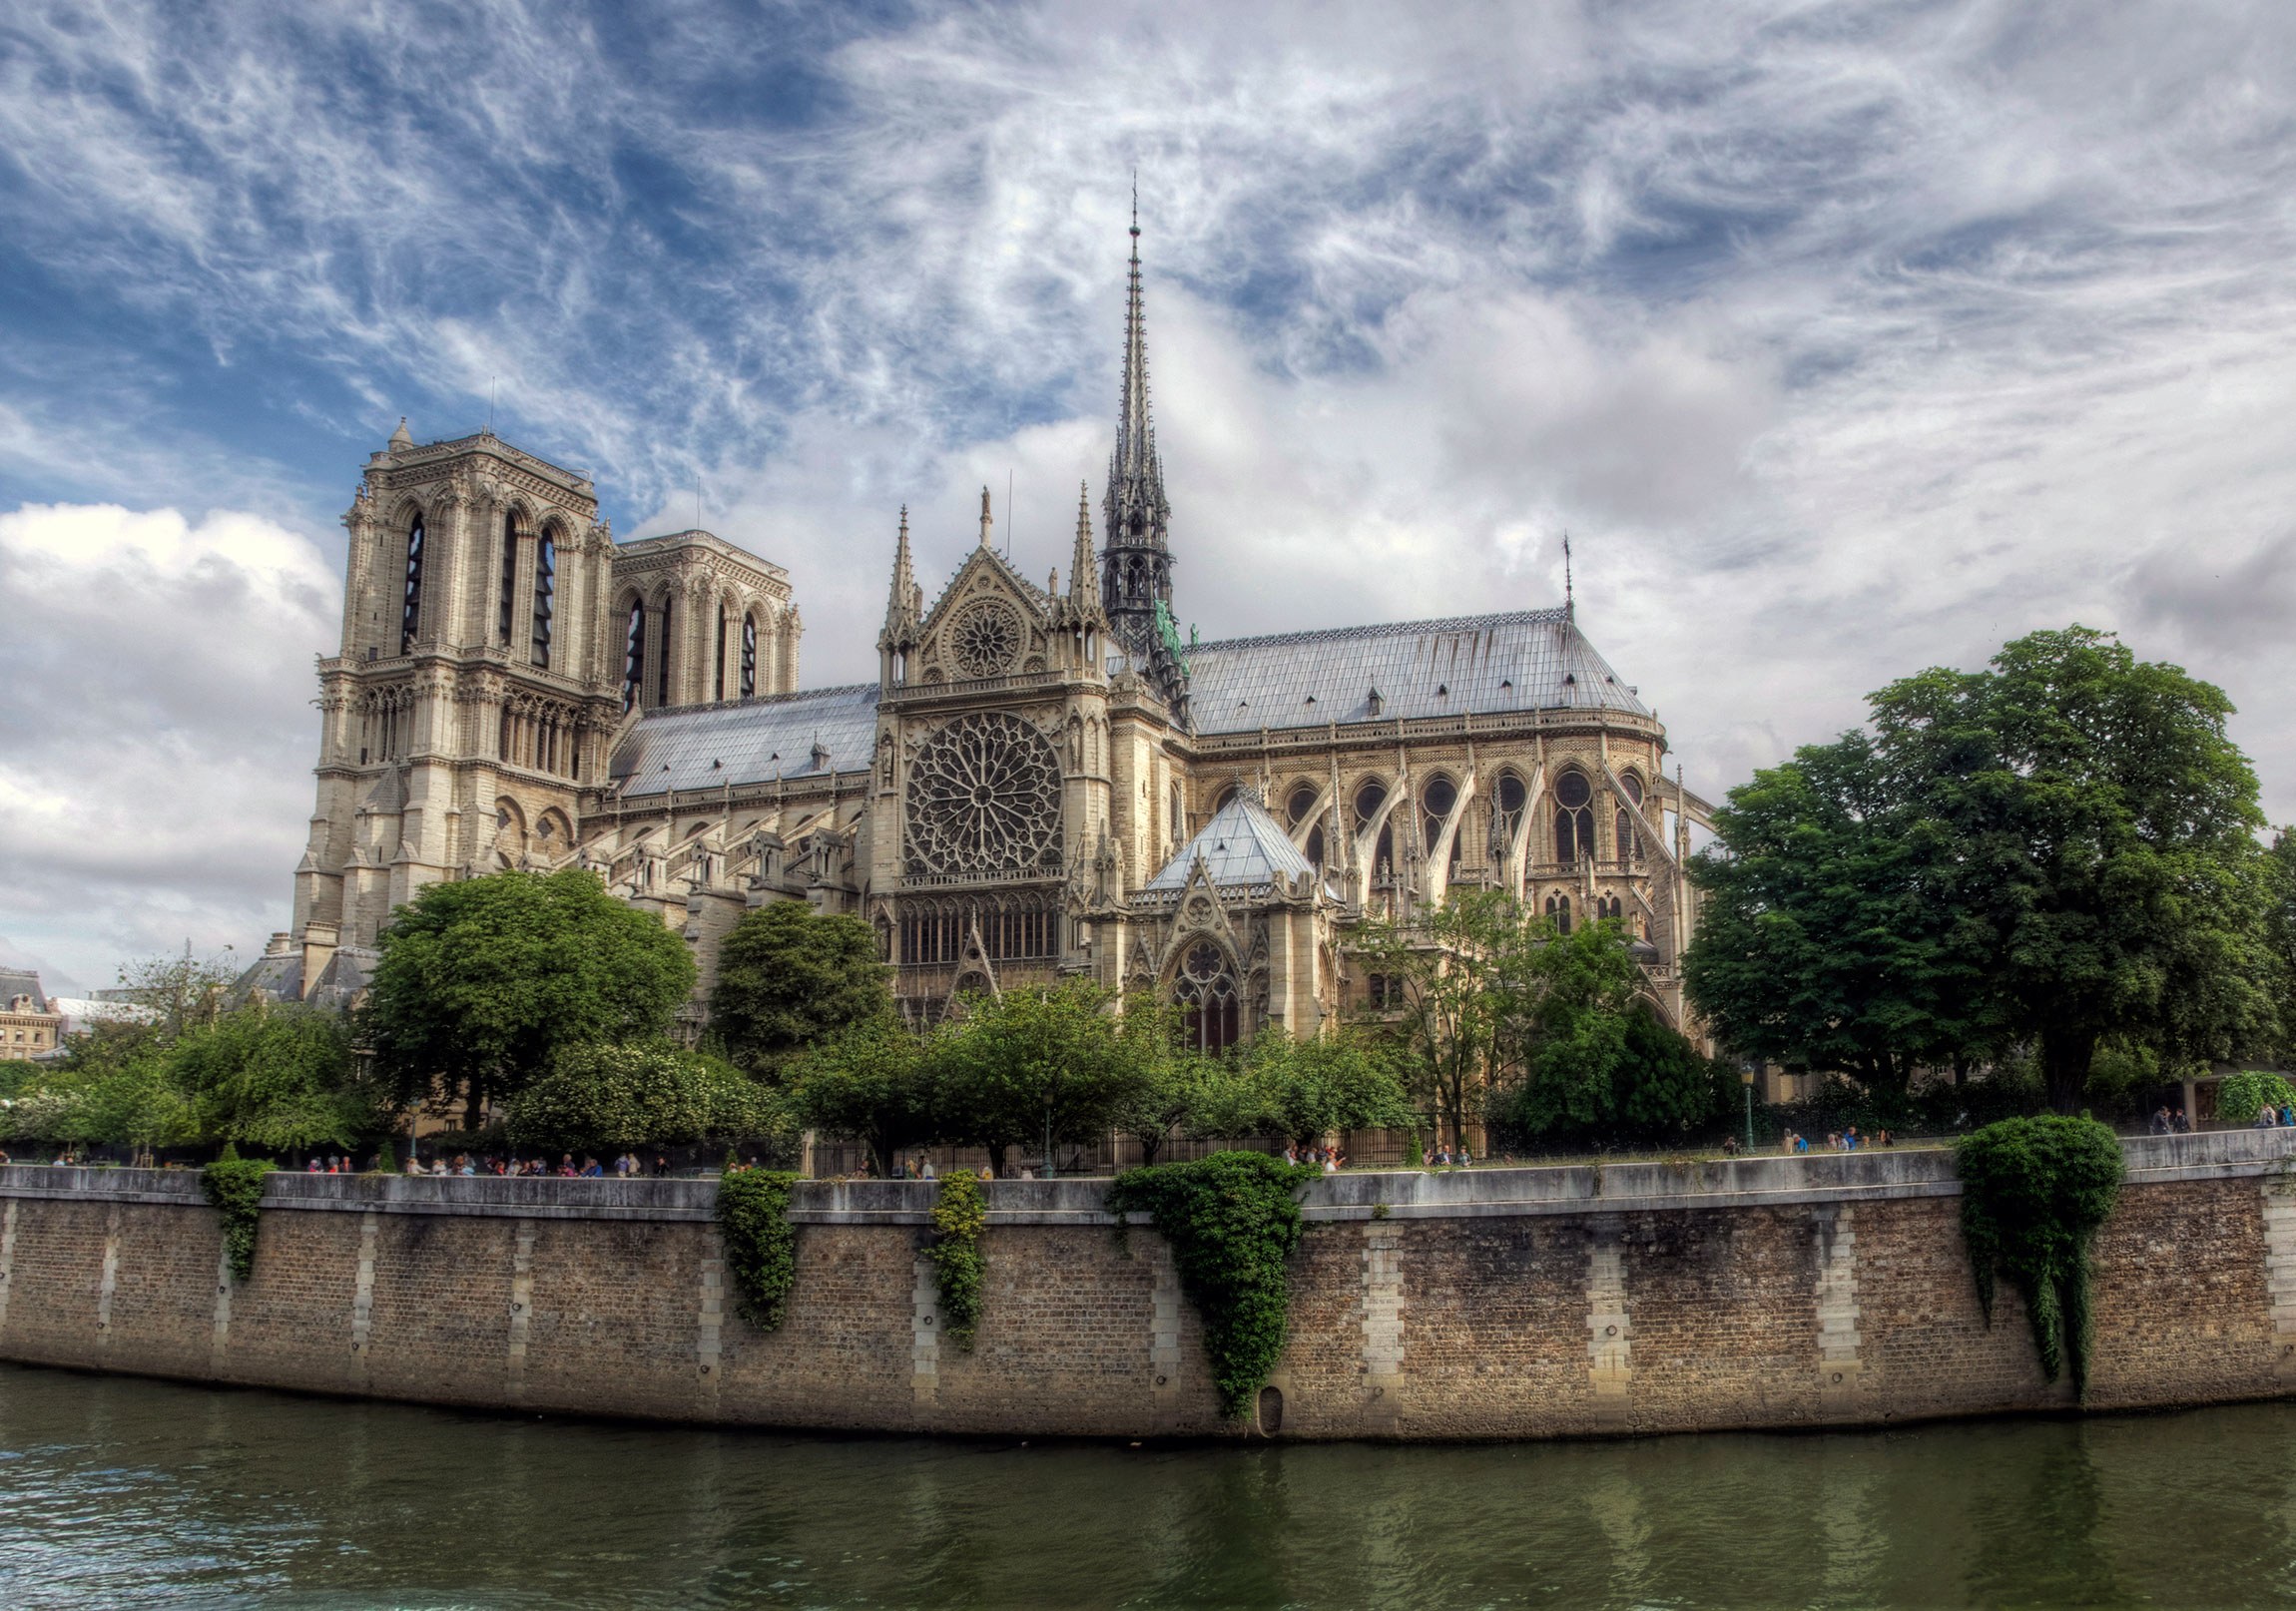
(749, 741)
(16, 982)
(1525, 660)
(1241, 845)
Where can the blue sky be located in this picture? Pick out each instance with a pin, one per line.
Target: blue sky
(1845, 338)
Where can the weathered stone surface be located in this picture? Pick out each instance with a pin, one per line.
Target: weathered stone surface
(1497, 1304)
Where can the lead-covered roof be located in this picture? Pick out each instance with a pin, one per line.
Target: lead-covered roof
(1240, 846)
(1524, 660)
(793, 736)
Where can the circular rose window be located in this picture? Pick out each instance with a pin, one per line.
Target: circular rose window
(984, 796)
(985, 640)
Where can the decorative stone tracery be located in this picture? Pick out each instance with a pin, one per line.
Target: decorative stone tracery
(985, 797)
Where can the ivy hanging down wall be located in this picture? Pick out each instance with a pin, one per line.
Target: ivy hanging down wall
(2033, 1193)
(234, 1188)
(1233, 1221)
(958, 1216)
(760, 1243)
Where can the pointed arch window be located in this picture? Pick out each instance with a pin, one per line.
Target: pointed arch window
(545, 596)
(506, 610)
(1558, 913)
(748, 657)
(634, 658)
(1369, 798)
(1507, 800)
(718, 685)
(410, 615)
(1574, 818)
(1206, 993)
(1437, 801)
(662, 656)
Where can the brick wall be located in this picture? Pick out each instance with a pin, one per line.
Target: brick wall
(1497, 1304)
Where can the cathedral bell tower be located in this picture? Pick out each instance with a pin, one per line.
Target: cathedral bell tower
(1136, 565)
(474, 695)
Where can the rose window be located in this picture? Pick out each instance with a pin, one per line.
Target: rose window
(985, 640)
(984, 796)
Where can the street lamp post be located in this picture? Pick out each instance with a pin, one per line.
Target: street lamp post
(1746, 1078)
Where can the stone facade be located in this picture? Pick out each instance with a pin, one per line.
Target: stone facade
(1044, 780)
(1763, 1293)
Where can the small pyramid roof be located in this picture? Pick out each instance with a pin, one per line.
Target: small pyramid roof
(1241, 845)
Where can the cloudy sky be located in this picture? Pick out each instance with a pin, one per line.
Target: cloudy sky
(1844, 339)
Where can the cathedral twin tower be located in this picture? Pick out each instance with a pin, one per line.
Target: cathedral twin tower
(1044, 781)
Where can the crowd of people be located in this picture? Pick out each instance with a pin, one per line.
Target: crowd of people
(1843, 1140)
(627, 1166)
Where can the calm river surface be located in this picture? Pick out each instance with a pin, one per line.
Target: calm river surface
(116, 1491)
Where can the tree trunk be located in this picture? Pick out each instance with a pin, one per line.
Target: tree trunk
(2064, 1059)
(997, 1159)
(474, 1107)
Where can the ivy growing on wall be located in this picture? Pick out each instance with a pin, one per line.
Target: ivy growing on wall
(2033, 1191)
(958, 1216)
(2244, 1095)
(235, 1187)
(1233, 1221)
(760, 1243)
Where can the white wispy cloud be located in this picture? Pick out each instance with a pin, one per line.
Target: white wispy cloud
(1845, 338)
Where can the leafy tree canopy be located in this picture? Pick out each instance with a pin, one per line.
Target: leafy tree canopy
(1597, 1062)
(482, 981)
(2061, 847)
(1031, 1063)
(1823, 942)
(788, 978)
(610, 1095)
(874, 1082)
(1304, 1090)
(276, 1077)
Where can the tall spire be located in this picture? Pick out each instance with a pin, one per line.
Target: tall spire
(904, 589)
(986, 519)
(1080, 563)
(1136, 565)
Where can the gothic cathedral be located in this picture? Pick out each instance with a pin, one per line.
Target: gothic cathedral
(1043, 780)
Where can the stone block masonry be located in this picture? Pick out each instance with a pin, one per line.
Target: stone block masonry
(1765, 1291)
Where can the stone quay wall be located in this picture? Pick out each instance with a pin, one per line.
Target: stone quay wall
(1827, 1290)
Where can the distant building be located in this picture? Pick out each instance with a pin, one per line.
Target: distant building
(31, 1024)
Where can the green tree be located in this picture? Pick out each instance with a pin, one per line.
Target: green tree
(788, 978)
(279, 1078)
(1031, 1065)
(1454, 983)
(1170, 1085)
(178, 993)
(2240, 1096)
(874, 1082)
(1822, 940)
(1305, 1090)
(2280, 940)
(2057, 852)
(1597, 1061)
(481, 982)
(611, 1095)
(2088, 811)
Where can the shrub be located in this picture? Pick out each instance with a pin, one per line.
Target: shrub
(606, 1096)
(235, 1187)
(2033, 1191)
(1233, 1222)
(2244, 1095)
(958, 1216)
(760, 1243)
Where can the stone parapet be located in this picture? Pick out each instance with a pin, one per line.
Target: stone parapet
(1820, 1290)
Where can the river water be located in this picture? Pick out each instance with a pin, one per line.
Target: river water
(116, 1491)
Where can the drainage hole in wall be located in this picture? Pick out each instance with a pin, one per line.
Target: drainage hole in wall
(1271, 1411)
